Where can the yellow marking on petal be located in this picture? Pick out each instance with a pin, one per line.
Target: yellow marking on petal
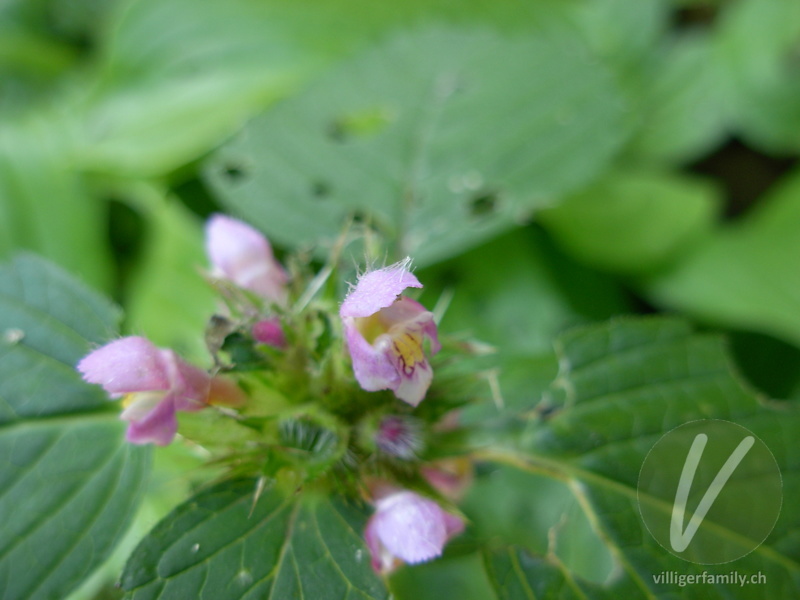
(408, 347)
(128, 399)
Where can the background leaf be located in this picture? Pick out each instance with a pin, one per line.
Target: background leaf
(634, 222)
(683, 106)
(421, 139)
(757, 44)
(742, 276)
(168, 298)
(223, 545)
(45, 206)
(66, 475)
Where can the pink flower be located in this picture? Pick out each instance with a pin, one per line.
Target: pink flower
(155, 383)
(385, 333)
(243, 255)
(409, 528)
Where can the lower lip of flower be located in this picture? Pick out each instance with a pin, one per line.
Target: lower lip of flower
(407, 348)
(138, 404)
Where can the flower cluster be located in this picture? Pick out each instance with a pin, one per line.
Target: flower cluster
(389, 337)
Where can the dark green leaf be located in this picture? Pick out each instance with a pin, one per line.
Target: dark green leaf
(461, 577)
(517, 575)
(621, 386)
(47, 323)
(68, 482)
(224, 545)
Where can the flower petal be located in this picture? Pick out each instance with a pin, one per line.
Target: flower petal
(414, 385)
(242, 254)
(189, 386)
(130, 364)
(158, 426)
(410, 527)
(412, 314)
(378, 289)
(373, 368)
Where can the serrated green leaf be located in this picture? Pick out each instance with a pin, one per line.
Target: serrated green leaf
(222, 544)
(439, 139)
(634, 222)
(66, 476)
(621, 386)
(540, 514)
(743, 276)
(47, 323)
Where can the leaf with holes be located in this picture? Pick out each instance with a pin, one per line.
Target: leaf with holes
(68, 482)
(438, 138)
(624, 384)
(223, 544)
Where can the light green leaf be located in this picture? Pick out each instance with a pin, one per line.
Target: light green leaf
(757, 44)
(683, 103)
(634, 222)
(168, 298)
(624, 34)
(439, 139)
(622, 385)
(45, 206)
(224, 545)
(744, 275)
(66, 475)
(170, 88)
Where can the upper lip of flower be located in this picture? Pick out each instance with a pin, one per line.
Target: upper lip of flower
(378, 289)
